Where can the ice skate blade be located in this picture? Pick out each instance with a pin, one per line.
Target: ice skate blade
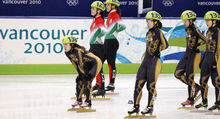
(73, 109)
(85, 110)
(76, 98)
(111, 93)
(100, 98)
(186, 108)
(146, 117)
(131, 116)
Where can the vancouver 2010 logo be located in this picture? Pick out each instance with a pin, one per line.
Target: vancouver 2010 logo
(72, 2)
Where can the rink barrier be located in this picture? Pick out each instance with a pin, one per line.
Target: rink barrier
(46, 69)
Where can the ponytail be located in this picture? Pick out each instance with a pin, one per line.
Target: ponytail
(102, 14)
(118, 10)
(158, 24)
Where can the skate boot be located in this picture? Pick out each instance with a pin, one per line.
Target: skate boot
(75, 106)
(214, 107)
(77, 103)
(110, 87)
(86, 107)
(133, 110)
(95, 87)
(201, 105)
(147, 110)
(99, 92)
(187, 102)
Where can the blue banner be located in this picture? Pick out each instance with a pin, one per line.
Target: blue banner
(82, 8)
(174, 8)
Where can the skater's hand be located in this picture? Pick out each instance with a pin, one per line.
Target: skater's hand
(99, 40)
(115, 33)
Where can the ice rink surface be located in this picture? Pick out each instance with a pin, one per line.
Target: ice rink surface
(48, 97)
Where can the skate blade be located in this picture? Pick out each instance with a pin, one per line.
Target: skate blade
(111, 93)
(76, 97)
(145, 117)
(131, 116)
(102, 98)
(186, 108)
(73, 109)
(85, 110)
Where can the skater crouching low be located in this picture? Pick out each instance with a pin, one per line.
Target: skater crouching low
(87, 65)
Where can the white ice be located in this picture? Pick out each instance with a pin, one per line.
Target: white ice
(48, 97)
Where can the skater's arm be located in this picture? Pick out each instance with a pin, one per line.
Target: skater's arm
(202, 37)
(96, 38)
(120, 27)
(101, 33)
(81, 55)
(164, 43)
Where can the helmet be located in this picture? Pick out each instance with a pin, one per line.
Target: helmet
(212, 15)
(98, 5)
(114, 2)
(153, 15)
(69, 39)
(188, 14)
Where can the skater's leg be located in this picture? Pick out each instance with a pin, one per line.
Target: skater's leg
(98, 50)
(153, 72)
(111, 51)
(180, 70)
(139, 84)
(216, 84)
(204, 76)
(192, 65)
(79, 88)
(140, 81)
(100, 77)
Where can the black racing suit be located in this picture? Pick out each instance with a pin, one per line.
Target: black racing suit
(150, 67)
(88, 66)
(187, 66)
(209, 66)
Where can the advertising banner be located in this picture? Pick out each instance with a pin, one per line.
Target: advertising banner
(38, 41)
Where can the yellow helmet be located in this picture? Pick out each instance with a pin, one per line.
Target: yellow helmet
(153, 15)
(114, 2)
(188, 14)
(212, 15)
(98, 5)
(69, 39)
